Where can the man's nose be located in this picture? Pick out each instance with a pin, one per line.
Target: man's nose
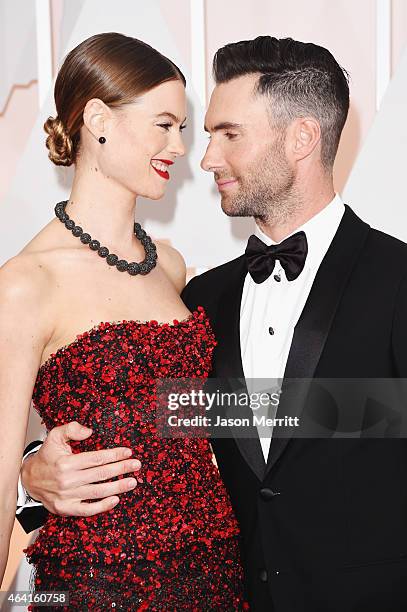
(210, 160)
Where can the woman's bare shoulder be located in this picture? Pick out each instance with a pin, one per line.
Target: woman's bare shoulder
(173, 264)
(24, 277)
(26, 302)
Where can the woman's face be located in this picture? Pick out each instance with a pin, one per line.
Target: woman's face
(144, 139)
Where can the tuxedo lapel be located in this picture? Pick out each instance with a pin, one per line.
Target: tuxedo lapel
(313, 326)
(228, 358)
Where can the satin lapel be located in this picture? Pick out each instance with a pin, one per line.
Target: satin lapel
(313, 326)
(228, 359)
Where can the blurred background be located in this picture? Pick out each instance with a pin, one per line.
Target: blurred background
(367, 37)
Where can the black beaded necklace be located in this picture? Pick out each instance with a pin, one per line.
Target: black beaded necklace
(133, 268)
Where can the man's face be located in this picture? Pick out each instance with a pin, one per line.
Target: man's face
(245, 153)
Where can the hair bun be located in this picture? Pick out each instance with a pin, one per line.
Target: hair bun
(59, 143)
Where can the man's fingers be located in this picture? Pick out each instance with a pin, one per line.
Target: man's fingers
(90, 509)
(99, 474)
(106, 489)
(89, 459)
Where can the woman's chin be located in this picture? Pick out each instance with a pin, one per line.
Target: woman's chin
(154, 195)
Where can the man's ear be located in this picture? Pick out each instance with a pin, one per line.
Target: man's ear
(96, 115)
(304, 136)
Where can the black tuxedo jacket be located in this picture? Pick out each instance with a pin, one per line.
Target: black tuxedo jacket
(335, 536)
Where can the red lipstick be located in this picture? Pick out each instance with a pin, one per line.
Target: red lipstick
(163, 173)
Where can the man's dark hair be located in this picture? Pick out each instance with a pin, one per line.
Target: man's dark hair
(301, 79)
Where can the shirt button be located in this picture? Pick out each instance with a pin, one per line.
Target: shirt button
(277, 277)
(271, 331)
(268, 494)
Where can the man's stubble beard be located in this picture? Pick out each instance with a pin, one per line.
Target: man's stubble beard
(267, 192)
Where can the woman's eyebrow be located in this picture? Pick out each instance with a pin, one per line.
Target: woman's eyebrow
(172, 116)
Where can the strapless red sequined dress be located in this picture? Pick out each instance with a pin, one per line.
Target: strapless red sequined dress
(172, 542)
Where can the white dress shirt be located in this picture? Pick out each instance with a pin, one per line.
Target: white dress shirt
(269, 311)
(23, 499)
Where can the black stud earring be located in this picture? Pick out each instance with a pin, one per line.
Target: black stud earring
(102, 140)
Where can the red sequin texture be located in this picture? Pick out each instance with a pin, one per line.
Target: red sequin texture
(172, 542)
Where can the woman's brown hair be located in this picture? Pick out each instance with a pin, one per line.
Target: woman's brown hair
(112, 67)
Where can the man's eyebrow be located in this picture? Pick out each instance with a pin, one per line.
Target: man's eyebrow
(171, 116)
(225, 125)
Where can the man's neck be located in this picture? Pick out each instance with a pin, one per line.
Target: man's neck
(277, 230)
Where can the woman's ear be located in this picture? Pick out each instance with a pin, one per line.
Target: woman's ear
(96, 115)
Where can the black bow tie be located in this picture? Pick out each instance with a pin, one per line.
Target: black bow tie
(291, 253)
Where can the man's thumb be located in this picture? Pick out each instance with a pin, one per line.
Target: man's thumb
(70, 431)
